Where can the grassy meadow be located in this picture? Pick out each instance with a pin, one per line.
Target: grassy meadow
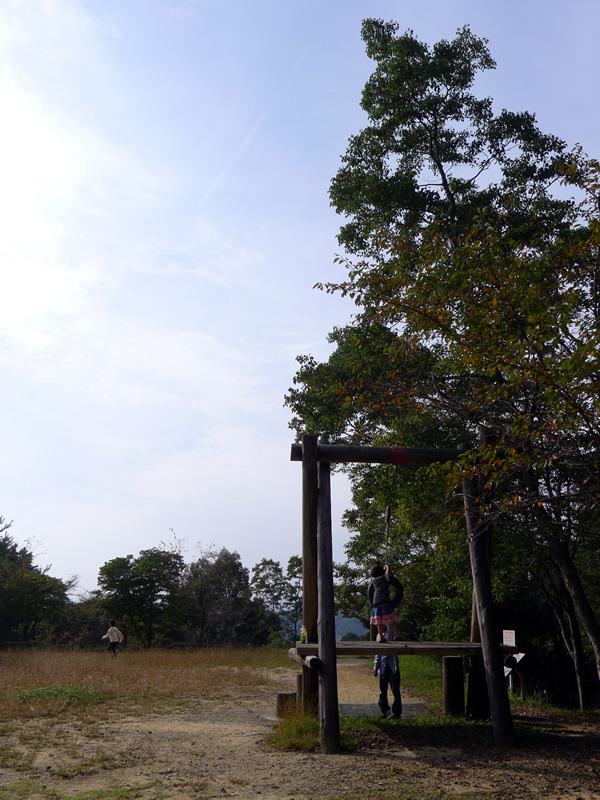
(52, 700)
(89, 687)
(53, 682)
(46, 682)
(47, 695)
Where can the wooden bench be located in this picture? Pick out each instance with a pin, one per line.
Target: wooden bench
(451, 652)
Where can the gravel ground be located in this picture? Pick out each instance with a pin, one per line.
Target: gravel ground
(219, 749)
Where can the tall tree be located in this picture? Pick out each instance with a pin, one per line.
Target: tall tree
(142, 591)
(281, 594)
(434, 151)
(268, 584)
(216, 599)
(477, 293)
(293, 597)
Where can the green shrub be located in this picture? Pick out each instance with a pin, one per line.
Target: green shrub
(67, 695)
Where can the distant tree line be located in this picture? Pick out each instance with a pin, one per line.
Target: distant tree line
(31, 601)
(157, 599)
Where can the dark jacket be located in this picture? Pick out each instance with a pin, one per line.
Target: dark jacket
(379, 590)
(381, 662)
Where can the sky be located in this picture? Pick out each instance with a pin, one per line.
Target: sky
(164, 216)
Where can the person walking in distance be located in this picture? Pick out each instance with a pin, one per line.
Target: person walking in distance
(114, 637)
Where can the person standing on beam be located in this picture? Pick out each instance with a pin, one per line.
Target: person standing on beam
(383, 611)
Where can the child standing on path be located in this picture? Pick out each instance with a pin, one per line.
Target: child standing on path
(388, 670)
(383, 609)
(115, 637)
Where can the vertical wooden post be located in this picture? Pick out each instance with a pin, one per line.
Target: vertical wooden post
(310, 494)
(454, 687)
(299, 682)
(479, 532)
(328, 693)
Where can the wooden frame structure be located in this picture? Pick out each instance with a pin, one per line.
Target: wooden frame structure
(318, 655)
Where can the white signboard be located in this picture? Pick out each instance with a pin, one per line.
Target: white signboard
(509, 638)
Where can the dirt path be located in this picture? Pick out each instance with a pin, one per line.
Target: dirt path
(218, 750)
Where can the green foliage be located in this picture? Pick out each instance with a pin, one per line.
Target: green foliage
(281, 595)
(350, 636)
(293, 597)
(268, 583)
(430, 143)
(27, 789)
(31, 601)
(83, 622)
(65, 695)
(216, 603)
(296, 732)
(158, 599)
(142, 591)
(422, 677)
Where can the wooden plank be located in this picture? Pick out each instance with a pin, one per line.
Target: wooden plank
(364, 648)
(328, 693)
(341, 453)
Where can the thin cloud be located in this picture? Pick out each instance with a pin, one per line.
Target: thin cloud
(243, 147)
(301, 58)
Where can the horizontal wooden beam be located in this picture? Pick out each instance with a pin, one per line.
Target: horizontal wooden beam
(312, 662)
(398, 456)
(363, 648)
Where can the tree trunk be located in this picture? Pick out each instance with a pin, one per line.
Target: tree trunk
(577, 655)
(568, 571)
(479, 532)
(562, 606)
(477, 703)
(570, 576)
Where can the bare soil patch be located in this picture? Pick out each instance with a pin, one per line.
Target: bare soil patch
(206, 748)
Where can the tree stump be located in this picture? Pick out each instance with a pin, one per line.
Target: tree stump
(286, 704)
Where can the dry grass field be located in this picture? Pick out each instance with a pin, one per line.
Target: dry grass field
(157, 725)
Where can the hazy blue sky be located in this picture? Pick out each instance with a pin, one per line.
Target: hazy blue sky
(164, 167)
